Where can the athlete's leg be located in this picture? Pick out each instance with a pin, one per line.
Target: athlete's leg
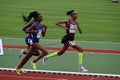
(26, 58)
(78, 48)
(23, 53)
(80, 57)
(59, 53)
(62, 51)
(80, 54)
(44, 52)
(36, 52)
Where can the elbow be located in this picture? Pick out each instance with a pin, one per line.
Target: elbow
(44, 26)
(26, 31)
(80, 32)
(57, 23)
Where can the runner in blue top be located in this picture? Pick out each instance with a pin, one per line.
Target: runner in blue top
(70, 27)
(34, 36)
(34, 32)
(35, 52)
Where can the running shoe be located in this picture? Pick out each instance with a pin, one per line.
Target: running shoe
(23, 71)
(82, 69)
(21, 54)
(17, 70)
(44, 60)
(33, 65)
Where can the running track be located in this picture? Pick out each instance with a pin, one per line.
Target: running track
(70, 49)
(11, 74)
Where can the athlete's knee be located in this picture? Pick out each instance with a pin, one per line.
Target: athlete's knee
(71, 43)
(45, 52)
(81, 50)
(60, 54)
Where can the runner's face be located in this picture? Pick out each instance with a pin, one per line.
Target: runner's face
(40, 18)
(75, 15)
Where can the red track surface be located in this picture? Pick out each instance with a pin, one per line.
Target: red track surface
(70, 49)
(9, 75)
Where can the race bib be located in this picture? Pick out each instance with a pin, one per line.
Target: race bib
(72, 28)
(30, 41)
(39, 33)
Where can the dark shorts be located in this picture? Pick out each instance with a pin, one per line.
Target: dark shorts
(67, 38)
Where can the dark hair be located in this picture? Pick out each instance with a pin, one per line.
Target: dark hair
(33, 14)
(71, 12)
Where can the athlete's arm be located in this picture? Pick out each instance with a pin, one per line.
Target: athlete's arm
(79, 28)
(28, 25)
(60, 23)
(30, 29)
(44, 30)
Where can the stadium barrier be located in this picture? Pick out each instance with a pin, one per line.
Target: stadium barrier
(1, 47)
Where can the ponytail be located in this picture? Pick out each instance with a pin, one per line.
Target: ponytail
(33, 14)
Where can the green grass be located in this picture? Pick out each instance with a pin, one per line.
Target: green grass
(99, 19)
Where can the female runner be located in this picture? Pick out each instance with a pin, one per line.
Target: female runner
(70, 26)
(32, 40)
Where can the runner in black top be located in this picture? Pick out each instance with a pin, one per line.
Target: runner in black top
(70, 26)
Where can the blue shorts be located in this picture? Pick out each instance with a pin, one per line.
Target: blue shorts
(31, 40)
